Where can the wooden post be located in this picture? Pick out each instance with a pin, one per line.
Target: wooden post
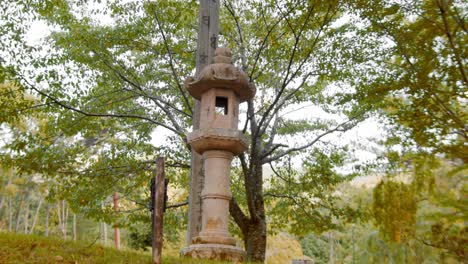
(116, 226)
(158, 210)
(208, 31)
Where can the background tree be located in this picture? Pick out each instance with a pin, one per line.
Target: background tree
(421, 88)
(129, 67)
(394, 209)
(420, 85)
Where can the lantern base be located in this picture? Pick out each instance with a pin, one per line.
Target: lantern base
(214, 252)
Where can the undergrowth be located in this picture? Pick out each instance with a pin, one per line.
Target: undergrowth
(20, 248)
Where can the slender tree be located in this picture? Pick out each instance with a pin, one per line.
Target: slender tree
(36, 215)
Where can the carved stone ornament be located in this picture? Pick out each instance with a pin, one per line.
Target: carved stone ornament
(221, 74)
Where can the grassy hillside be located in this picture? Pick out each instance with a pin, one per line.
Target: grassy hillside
(19, 248)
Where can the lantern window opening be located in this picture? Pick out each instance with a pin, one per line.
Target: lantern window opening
(221, 105)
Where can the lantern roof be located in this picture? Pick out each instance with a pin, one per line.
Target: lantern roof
(221, 74)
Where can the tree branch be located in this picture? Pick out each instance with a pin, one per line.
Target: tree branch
(286, 80)
(155, 99)
(177, 205)
(171, 61)
(249, 185)
(461, 67)
(286, 152)
(64, 105)
(264, 41)
(239, 217)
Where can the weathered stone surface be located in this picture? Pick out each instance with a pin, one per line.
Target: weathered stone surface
(215, 252)
(220, 87)
(218, 139)
(221, 74)
(206, 237)
(209, 118)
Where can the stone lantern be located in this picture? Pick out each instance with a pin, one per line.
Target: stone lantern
(220, 87)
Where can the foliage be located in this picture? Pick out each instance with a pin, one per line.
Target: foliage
(13, 101)
(420, 85)
(309, 199)
(444, 212)
(394, 210)
(362, 243)
(316, 247)
(432, 217)
(140, 236)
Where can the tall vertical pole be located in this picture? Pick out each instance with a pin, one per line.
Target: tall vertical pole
(158, 210)
(208, 31)
(116, 226)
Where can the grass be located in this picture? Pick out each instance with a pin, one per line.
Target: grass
(20, 248)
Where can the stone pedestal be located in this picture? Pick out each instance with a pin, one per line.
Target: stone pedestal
(215, 251)
(214, 240)
(216, 197)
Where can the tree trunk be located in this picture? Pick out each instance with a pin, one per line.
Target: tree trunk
(2, 202)
(60, 220)
(65, 222)
(26, 216)
(47, 220)
(332, 253)
(74, 227)
(18, 213)
(255, 241)
(10, 216)
(116, 225)
(158, 211)
(103, 228)
(104, 233)
(35, 216)
(64, 219)
(254, 227)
